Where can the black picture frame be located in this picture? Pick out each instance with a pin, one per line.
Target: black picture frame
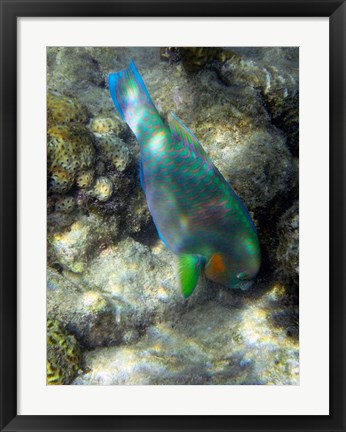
(10, 11)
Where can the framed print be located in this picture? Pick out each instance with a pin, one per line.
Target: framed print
(172, 224)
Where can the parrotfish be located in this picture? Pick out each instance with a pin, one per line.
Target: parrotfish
(196, 212)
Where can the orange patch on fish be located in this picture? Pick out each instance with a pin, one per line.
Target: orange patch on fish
(217, 264)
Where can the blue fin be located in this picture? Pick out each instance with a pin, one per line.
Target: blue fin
(121, 82)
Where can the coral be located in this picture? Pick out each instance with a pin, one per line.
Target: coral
(65, 204)
(85, 179)
(114, 151)
(107, 123)
(61, 180)
(70, 152)
(61, 110)
(102, 189)
(64, 356)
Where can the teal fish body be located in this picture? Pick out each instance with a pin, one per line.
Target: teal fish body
(196, 212)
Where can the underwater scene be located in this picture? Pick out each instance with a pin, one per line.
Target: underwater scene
(172, 216)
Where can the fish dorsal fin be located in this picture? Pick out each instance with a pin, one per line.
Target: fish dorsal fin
(189, 267)
(183, 134)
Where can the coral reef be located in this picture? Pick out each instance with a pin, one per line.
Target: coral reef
(70, 153)
(65, 204)
(112, 287)
(61, 110)
(114, 151)
(103, 189)
(64, 356)
(107, 123)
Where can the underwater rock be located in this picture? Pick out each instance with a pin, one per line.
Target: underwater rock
(88, 235)
(259, 166)
(137, 214)
(275, 76)
(88, 315)
(141, 283)
(74, 70)
(234, 128)
(210, 344)
(287, 253)
(64, 355)
(123, 290)
(82, 72)
(195, 58)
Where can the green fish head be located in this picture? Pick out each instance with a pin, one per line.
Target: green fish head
(222, 269)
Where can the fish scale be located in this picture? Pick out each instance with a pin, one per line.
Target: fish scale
(196, 212)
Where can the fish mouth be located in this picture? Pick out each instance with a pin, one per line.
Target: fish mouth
(245, 284)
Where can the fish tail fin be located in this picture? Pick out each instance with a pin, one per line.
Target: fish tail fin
(189, 267)
(128, 91)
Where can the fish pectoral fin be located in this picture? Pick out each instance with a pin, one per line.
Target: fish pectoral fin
(189, 267)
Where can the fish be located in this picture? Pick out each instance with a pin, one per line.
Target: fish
(195, 210)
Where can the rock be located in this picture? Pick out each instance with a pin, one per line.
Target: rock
(210, 344)
(234, 128)
(123, 290)
(137, 215)
(143, 285)
(287, 253)
(86, 314)
(276, 75)
(85, 238)
(74, 70)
